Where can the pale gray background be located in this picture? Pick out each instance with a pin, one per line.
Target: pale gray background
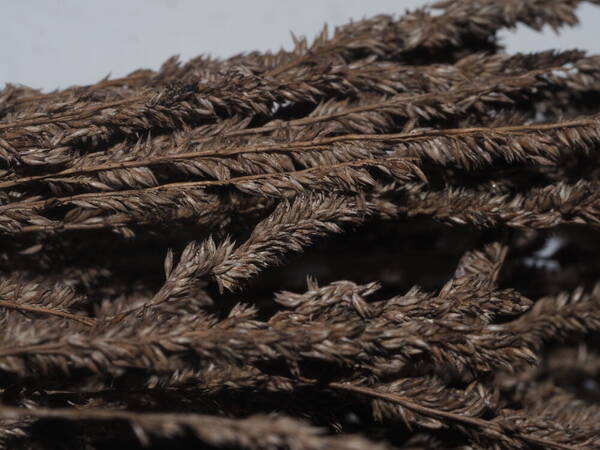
(53, 44)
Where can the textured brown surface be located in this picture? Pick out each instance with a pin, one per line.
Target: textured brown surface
(386, 238)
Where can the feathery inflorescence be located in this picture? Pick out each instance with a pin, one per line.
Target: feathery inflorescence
(384, 238)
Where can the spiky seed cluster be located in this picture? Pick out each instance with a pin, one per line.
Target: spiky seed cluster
(445, 196)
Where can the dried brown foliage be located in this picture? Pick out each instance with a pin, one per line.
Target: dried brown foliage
(440, 197)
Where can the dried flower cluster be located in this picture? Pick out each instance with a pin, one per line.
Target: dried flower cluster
(386, 238)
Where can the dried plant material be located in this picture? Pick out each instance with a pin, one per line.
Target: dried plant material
(439, 198)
